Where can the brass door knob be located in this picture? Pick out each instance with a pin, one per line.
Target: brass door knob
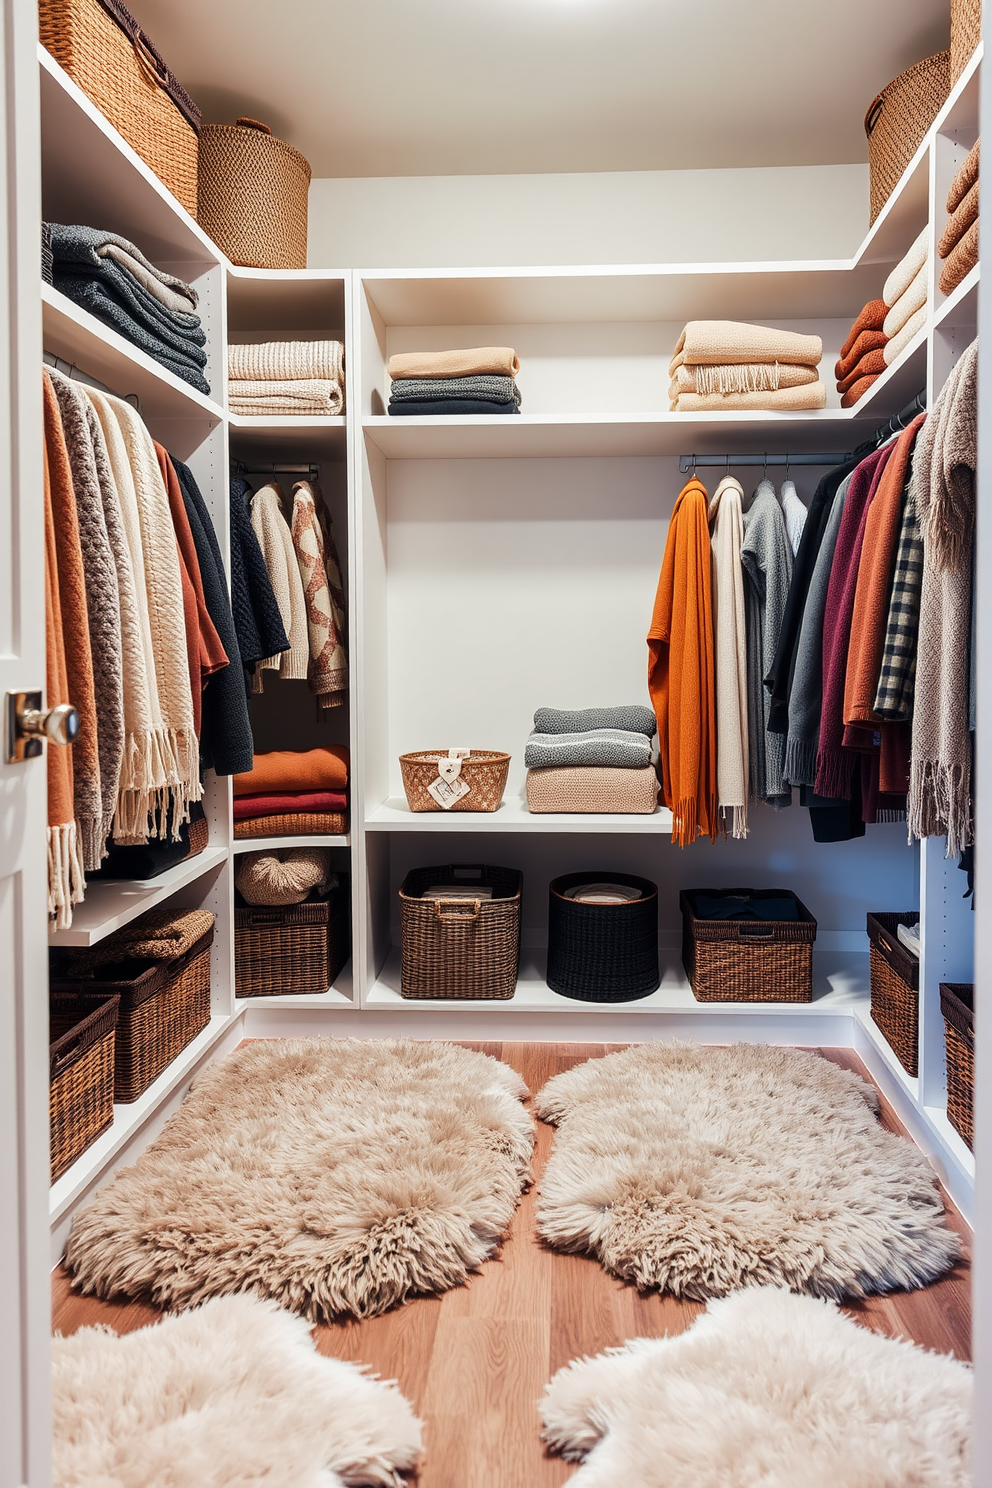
(28, 724)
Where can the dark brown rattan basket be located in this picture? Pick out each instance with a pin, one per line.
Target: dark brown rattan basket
(603, 952)
(897, 120)
(895, 987)
(460, 947)
(291, 950)
(957, 1003)
(80, 1075)
(748, 960)
(163, 1006)
(484, 770)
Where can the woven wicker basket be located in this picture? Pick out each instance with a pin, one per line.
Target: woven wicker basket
(957, 1003)
(966, 33)
(899, 118)
(293, 824)
(253, 195)
(163, 1006)
(460, 947)
(483, 770)
(104, 50)
(80, 1075)
(603, 952)
(748, 960)
(895, 987)
(291, 950)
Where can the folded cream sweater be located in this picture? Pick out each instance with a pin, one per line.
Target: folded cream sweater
(723, 341)
(739, 377)
(902, 338)
(476, 361)
(310, 395)
(906, 270)
(784, 400)
(284, 361)
(911, 299)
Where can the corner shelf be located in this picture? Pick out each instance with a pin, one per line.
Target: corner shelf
(961, 307)
(341, 995)
(111, 903)
(272, 844)
(395, 815)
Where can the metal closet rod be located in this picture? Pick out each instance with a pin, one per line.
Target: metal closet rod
(69, 369)
(310, 471)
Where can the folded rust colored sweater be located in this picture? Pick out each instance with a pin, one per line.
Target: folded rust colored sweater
(475, 361)
(867, 341)
(873, 362)
(961, 219)
(871, 318)
(292, 824)
(281, 770)
(277, 803)
(858, 389)
(592, 789)
(966, 177)
(960, 261)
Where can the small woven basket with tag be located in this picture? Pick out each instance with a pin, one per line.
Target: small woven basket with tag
(484, 771)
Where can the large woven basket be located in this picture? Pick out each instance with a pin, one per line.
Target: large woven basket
(897, 120)
(253, 195)
(748, 960)
(80, 1075)
(603, 952)
(895, 987)
(291, 950)
(966, 33)
(483, 770)
(163, 1006)
(103, 49)
(460, 947)
(957, 1003)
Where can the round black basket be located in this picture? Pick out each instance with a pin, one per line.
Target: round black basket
(603, 952)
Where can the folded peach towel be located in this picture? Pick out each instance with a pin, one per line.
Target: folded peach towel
(871, 318)
(865, 343)
(960, 261)
(906, 270)
(476, 361)
(964, 214)
(284, 361)
(966, 177)
(784, 400)
(912, 297)
(295, 770)
(895, 347)
(739, 377)
(858, 389)
(872, 363)
(716, 342)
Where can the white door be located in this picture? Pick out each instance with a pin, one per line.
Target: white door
(24, 1298)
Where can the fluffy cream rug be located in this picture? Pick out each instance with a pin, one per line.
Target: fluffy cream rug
(336, 1175)
(701, 1170)
(232, 1394)
(767, 1389)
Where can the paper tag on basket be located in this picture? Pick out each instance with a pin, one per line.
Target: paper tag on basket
(446, 795)
(450, 768)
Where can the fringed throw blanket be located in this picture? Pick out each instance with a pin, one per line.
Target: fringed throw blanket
(726, 341)
(328, 670)
(730, 654)
(782, 400)
(739, 377)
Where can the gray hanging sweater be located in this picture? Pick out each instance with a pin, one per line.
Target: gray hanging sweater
(766, 556)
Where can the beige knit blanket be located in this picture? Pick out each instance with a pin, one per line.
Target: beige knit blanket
(739, 377)
(276, 542)
(476, 361)
(911, 299)
(285, 361)
(906, 270)
(784, 400)
(725, 341)
(592, 788)
(729, 653)
(895, 348)
(295, 396)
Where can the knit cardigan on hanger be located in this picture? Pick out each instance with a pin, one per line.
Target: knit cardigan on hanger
(328, 669)
(730, 654)
(276, 542)
(766, 556)
(257, 620)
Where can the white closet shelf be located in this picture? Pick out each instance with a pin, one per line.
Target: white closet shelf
(312, 438)
(77, 336)
(111, 903)
(395, 816)
(262, 844)
(281, 303)
(961, 307)
(341, 995)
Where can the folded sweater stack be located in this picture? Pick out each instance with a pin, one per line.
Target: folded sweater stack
(290, 793)
(958, 246)
(479, 380)
(112, 279)
(276, 378)
(885, 327)
(594, 760)
(726, 365)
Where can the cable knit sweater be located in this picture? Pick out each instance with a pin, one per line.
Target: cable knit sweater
(276, 542)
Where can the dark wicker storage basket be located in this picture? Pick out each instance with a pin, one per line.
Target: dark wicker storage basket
(957, 1003)
(163, 1006)
(291, 950)
(895, 987)
(603, 952)
(748, 960)
(898, 119)
(966, 33)
(80, 1075)
(253, 195)
(460, 947)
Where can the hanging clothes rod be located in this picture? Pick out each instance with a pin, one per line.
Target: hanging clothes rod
(311, 471)
(69, 369)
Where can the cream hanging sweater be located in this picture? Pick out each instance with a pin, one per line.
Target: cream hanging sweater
(730, 653)
(276, 542)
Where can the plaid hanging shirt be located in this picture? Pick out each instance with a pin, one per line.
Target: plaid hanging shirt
(897, 678)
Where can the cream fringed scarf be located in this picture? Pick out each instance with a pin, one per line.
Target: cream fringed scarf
(328, 673)
(161, 758)
(738, 377)
(730, 653)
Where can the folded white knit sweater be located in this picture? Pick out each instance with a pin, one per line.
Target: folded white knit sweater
(895, 347)
(906, 270)
(912, 297)
(310, 395)
(284, 361)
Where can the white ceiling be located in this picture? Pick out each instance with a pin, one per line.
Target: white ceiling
(475, 87)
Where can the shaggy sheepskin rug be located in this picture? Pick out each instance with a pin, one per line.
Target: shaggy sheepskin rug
(232, 1394)
(765, 1388)
(338, 1176)
(702, 1170)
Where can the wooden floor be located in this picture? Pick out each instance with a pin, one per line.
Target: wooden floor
(475, 1361)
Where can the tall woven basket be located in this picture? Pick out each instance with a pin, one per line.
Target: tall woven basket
(895, 987)
(253, 195)
(957, 1004)
(966, 33)
(748, 960)
(603, 952)
(898, 119)
(104, 50)
(80, 1075)
(460, 947)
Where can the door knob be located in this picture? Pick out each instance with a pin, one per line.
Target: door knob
(28, 724)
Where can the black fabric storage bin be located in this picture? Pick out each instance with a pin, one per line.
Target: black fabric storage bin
(149, 859)
(603, 952)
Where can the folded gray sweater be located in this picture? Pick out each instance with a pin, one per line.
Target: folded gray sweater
(621, 748)
(634, 718)
(419, 389)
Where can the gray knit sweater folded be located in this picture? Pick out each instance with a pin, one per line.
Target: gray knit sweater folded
(634, 718)
(621, 748)
(492, 389)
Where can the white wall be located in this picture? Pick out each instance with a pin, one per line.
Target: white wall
(608, 217)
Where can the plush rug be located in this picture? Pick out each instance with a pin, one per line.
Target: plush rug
(232, 1394)
(701, 1170)
(767, 1389)
(339, 1176)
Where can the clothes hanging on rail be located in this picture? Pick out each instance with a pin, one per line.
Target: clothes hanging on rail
(257, 619)
(276, 543)
(766, 556)
(327, 673)
(730, 654)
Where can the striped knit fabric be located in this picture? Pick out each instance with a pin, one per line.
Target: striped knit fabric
(897, 678)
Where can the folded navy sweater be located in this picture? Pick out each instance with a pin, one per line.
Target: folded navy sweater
(439, 407)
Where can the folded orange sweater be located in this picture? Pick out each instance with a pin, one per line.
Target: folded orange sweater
(295, 770)
(873, 362)
(866, 342)
(965, 178)
(872, 318)
(858, 389)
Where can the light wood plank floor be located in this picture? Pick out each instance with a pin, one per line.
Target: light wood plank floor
(475, 1361)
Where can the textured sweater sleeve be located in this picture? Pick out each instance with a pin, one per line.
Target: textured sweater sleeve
(261, 632)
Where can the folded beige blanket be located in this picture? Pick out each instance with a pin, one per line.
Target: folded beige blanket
(960, 261)
(783, 400)
(906, 270)
(592, 788)
(300, 396)
(739, 377)
(895, 347)
(964, 214)
(476, 361)
(713, 342)
(908, 303)
(274, 361)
